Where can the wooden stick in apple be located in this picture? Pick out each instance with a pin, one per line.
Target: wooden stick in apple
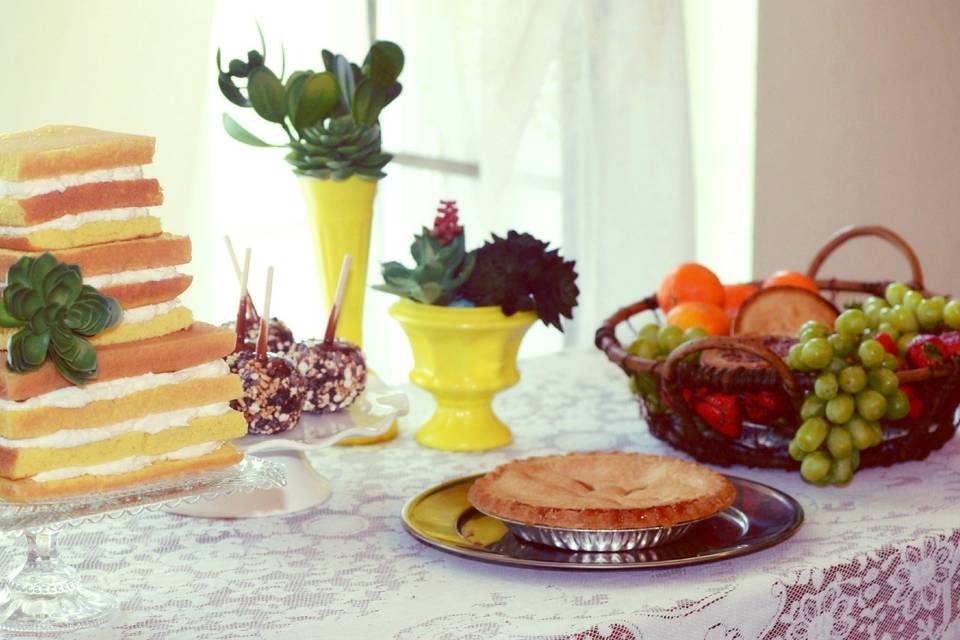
(338, 300)
(264, 322)
(251, 309)
(242, 309)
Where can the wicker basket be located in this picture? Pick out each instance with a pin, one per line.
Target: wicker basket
(765, 444)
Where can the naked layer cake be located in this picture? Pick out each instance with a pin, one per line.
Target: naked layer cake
(157, 400)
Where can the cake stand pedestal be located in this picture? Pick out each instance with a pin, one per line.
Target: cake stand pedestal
(372, 415)
(47, 596)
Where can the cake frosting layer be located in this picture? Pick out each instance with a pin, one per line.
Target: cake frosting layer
(73, 397)
(131, 277)
(34, 462)
(126, 277)
(195, 345)
(30, 490)
(55, 150)
(89, 233)
(152, 423)
(140, 253)
(73, 222)
(39, 186)
(126, 465)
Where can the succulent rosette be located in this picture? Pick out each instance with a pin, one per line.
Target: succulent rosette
(55, 314)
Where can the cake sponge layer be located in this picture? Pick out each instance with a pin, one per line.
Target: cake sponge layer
(180, 350)
(114, 257)
(177, 319)
(174, 320)
(96, 196)
(21, 463)
(26, 490)
(41, 421)
(55, 150)
(140, 294)
(99, 232)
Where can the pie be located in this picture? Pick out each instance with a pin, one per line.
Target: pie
(602, 490)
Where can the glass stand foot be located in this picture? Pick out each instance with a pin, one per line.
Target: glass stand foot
(47, 595)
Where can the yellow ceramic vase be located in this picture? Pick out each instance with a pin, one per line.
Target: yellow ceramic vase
(340, 213)
(463, 357)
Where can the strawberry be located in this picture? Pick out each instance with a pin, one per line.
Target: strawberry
(916, 403)
(721, 412)
(952, 341)
(926, 350)
(761, 407)
(889, 344)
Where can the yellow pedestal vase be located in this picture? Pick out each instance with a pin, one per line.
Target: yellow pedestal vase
(340, 214)
(463, 357)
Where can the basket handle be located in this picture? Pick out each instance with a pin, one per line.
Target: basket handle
(606, 339)
(846, 234)
(731, 344)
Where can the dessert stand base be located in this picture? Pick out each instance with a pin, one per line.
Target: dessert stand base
(305, 489)
(46, 596)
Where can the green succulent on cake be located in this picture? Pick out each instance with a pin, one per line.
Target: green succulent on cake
(330, 117)
(55, 314)
(516, 273)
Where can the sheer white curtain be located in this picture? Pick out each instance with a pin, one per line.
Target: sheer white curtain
(564, 118)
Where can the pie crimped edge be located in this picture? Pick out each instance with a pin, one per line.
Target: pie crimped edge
(718, 494)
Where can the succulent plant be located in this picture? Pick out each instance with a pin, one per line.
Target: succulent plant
(439, 272)
(330, 117)
(55, 313)
(338, 149)
(518, 273)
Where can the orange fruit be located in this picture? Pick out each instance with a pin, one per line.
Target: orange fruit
(734, 296)
(791, 279)
(710, 317)
(690, 282)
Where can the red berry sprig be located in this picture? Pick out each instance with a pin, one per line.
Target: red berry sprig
(447, 226)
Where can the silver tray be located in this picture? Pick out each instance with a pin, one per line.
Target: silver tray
(760, 517)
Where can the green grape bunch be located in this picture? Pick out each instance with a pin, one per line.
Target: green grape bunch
(655, 342)
(855, 385)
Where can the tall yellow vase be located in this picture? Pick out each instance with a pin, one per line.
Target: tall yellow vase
(463, 357)
(340, 213)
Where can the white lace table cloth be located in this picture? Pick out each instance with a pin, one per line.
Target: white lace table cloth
(878, 559)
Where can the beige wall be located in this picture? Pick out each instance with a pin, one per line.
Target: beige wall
(858, 121)
(140, 66)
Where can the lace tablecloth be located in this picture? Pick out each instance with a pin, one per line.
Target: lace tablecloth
(878, 559)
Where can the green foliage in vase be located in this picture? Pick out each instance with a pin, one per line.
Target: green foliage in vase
(440, 271)
(55, 313)
(518, 273)
(330, 117)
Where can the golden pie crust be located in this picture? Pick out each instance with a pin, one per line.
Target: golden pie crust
(602, 490)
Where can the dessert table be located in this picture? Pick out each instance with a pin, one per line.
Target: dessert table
(877, 559)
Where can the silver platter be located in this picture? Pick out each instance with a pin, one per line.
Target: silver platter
(760, 517)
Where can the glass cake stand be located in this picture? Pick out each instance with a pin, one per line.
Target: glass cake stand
(47, 596)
